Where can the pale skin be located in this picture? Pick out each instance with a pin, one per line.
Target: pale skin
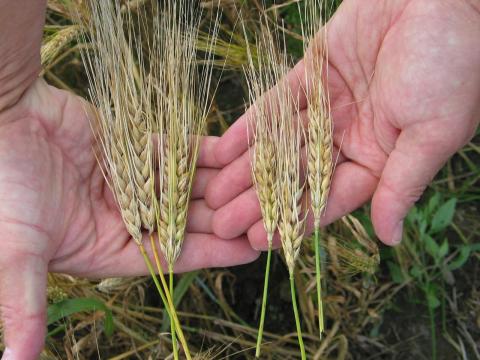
(405, 86)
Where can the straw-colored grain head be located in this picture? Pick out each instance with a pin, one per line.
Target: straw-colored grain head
(291, 186)
(120, 93)
(320, 128)
(264, 129)
(182, 102)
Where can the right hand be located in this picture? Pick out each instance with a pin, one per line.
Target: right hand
(404, 83)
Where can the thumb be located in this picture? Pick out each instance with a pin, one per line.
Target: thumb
(420, 152)
(23, 278)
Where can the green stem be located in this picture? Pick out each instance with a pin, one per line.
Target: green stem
(172, 325)
(297, 318)
(318, 275)
(264, 298)
(155, 279)
(171, 307)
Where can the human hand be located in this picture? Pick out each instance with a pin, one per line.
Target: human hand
(404, 83)
(57, 213)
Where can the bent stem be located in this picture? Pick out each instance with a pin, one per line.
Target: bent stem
(172, 312)
(297, 318)
(318, 275)
(172, 325)
(264, 298)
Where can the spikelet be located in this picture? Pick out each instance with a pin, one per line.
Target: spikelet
(182, 105)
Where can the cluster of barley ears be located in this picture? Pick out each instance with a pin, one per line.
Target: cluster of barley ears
(150, 111)
(275, 158)
(320, 132)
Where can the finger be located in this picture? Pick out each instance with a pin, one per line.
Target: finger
(206, 153)
(199, 251)
(235, 141)
(201, 181)
(23, 278)
(199, 217)
(236, 177)
(231, 181)
(352, 186)
(238, 215)
(418, 155)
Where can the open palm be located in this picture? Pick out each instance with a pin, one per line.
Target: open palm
(404, 83)
(57, 214)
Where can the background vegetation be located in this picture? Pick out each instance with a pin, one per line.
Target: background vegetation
(420, 300)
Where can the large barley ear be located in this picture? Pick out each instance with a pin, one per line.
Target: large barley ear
(320, 128)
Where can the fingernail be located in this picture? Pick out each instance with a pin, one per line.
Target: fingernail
(7, 354)
(398, 234)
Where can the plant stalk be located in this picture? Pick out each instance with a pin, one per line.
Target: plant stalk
(172, 325)
(155, 279)
(318, 276)
(264, 297)
(297, 318)
(171, 306)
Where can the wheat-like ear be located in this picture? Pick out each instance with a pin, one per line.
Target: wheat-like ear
(264, 129)
(320, 128)
(183, 98)
(292, 218)
(118, 101)
(261, 77)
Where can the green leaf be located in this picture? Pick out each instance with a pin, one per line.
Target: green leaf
(432, 247)
(443, 250)
(443, 216)
(415, 271)
(432, 299)
(69, 307)
(396, 273)
(433, 204)
(431, 292)
(461, 259)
